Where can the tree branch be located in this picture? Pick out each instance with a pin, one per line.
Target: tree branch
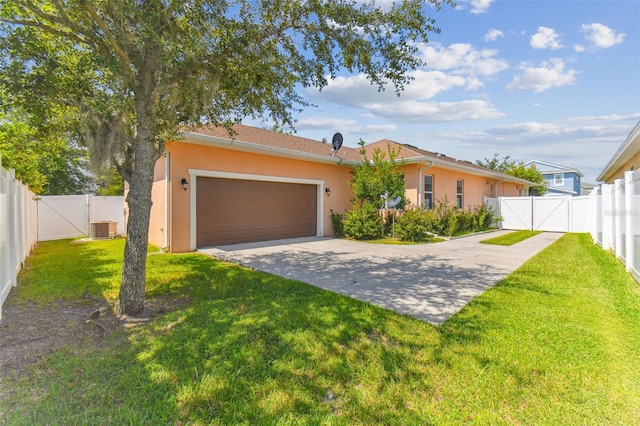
(124, 58)
(46, 28)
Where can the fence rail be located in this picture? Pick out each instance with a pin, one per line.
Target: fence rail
(616, 219)
(18, 229)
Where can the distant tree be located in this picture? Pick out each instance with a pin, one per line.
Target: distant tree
(516, 169)
(110, 183)
(496, 163)
(139, 71)
(47, 157)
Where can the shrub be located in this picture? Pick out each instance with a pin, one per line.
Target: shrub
(337, 224)
(388, 222)
(450, 220)
(413, 225)
(363, 222)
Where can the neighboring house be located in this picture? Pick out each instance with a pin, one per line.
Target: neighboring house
(627, 158)
(586, 188)
(212, 189)
(560, 180)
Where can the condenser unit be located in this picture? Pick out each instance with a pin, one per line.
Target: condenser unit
(105, 229)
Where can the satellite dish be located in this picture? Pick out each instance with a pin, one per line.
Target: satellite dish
(336, 143)
(394, 202)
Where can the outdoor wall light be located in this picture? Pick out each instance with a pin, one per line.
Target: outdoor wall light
(328, 191)
(185, 183)
(488, 181)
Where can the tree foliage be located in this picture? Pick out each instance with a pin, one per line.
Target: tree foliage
(45, 155)
(379, 179)
(139, 71)
(516, 169)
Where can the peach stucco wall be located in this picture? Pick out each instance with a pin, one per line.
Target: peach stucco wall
(475, 187)
(185, 156)
(157, 221)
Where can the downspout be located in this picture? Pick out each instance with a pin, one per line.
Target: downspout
(167, 194)
(421, 184)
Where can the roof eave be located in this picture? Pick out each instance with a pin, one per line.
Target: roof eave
(238, 145)
(471, 170)
(622, 155)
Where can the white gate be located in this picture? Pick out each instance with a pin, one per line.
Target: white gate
(552, 214)
(69, 216)
(516, 212)
(63, 216)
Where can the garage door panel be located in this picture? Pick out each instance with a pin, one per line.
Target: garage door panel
(233, 211)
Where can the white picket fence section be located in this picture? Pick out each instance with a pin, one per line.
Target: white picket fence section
(552, 214)
(18, 229)
(70, 216)
(616, 219)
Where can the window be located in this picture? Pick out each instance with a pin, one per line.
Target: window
(459, 193)
(428, 192)
(558, 179)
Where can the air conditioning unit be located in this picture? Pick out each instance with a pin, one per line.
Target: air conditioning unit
(105, 229)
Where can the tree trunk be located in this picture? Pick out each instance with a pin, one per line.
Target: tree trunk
(131, 297)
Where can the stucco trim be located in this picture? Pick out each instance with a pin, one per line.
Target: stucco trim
(195, 173)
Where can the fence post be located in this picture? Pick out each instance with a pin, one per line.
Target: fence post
(12, 229)
(607, 228)
(618, 218)
(592, 221)
(628, 213)
(19, 224)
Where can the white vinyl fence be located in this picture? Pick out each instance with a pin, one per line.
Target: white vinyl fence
(25, 219)
(17, 229)
(616, 219)
(553, 214)
(70, 216)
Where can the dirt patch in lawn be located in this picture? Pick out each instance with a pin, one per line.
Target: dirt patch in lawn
(30, 331)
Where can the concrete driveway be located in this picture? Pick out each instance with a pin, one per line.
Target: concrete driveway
(428, 281)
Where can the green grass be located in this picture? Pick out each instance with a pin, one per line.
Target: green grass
(511, 238)
(554, 343)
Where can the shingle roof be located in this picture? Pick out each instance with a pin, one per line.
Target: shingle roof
(408, 151)
(285, 141)
(295, 144)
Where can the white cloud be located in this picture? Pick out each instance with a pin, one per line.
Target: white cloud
(462, 58)
(550, 74)
(337, 124)
(585, 147)
(579, 48)
(357, 90)
(493, 34)
(545, 38)
(606, 118)
(424, 112)
(601, 36)
(480, 6)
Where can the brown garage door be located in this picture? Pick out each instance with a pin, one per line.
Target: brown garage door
(231, 211)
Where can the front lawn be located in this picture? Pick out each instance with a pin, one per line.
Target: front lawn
(511, 238)
(554, 343)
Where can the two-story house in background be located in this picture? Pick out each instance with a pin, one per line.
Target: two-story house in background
(561, 180)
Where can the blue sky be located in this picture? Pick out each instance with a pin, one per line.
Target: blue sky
(557, 81)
